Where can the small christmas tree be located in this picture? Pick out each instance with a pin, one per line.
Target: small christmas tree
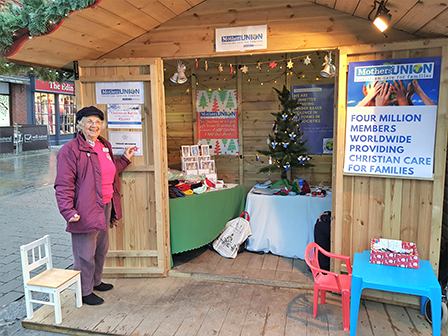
(286, 148)
(203, 102)
(232, 146)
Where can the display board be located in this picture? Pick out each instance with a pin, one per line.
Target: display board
(4, 110)
(35, 137)
(217, 118)
(316, 115)
(6, 139)
(391, 117)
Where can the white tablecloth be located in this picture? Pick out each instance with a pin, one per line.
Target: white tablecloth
(283, 225)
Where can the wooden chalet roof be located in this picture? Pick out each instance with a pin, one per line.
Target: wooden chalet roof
(185, 28)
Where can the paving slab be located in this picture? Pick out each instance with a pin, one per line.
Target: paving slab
(28, 211)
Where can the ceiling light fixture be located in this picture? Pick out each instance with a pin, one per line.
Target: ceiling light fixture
(382, 17)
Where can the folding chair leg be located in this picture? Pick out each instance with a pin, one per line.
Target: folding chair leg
(346, 310)
(315, 301)
(78, 293)
(29, 304)
(323, 294)
(57, 307)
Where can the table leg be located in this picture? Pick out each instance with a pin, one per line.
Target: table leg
(422, 304)
(436, 310)
(356, 289)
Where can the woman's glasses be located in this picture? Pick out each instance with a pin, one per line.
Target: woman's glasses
(90, 122)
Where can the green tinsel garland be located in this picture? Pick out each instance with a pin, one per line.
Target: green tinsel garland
(36, 16)
(47, 75)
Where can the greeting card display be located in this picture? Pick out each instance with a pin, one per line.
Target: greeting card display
(196, 160)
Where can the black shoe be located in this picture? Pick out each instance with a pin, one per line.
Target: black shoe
(92, 300)
(103, 287)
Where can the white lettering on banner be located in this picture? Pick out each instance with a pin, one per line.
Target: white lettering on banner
(394, 72)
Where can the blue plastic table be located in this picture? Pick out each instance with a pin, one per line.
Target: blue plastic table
(421, 281)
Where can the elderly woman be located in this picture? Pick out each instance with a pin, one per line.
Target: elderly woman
(88, 197)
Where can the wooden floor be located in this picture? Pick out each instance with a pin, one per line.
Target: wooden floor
(210, 295)
(251, 268)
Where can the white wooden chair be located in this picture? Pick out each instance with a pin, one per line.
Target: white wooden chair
(51, 281)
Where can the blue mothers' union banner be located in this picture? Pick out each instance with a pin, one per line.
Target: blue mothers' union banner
(316, 115)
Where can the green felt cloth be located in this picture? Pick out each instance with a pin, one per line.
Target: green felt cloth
(196, 220)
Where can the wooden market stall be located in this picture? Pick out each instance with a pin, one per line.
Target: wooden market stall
(163, 33)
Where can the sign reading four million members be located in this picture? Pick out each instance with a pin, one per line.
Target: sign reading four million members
(391, 117)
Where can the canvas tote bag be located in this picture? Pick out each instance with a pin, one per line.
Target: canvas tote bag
(234, 234)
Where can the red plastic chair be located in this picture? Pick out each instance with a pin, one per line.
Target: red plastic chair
(328, 281)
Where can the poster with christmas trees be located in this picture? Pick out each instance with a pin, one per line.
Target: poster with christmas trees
(4, 110)
(217, 120)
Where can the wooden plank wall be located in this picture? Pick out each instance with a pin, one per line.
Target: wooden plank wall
(371, 207)
(257, 100)
(139, 245)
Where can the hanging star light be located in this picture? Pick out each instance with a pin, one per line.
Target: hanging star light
(244, 69)
(272, 65)
(290, 64)
(307, 60)
(220, 69)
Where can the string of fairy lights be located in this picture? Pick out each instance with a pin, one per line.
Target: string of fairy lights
(249, 70)
(227, 72)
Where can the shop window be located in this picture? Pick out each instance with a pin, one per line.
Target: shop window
(45, 110)
(67, 111)
(4, 110)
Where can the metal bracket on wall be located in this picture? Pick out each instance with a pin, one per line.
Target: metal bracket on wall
(76, 69)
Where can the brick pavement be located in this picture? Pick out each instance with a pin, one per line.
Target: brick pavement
(28, 211)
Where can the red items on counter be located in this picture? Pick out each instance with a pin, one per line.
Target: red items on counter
(394, 253)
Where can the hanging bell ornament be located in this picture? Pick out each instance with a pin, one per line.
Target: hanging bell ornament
(179, 77)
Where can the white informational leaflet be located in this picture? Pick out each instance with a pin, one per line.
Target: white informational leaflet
(241, 38)
(119, 92)
(390, 141)
(124, 116)
(121, 140)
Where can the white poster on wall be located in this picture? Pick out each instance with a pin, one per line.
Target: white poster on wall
(392, 117)
(121, 140)
(241, 38)
(397, 142)
(124, 116)
(119, 92)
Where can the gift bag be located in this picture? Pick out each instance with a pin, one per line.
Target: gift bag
(234, 234)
